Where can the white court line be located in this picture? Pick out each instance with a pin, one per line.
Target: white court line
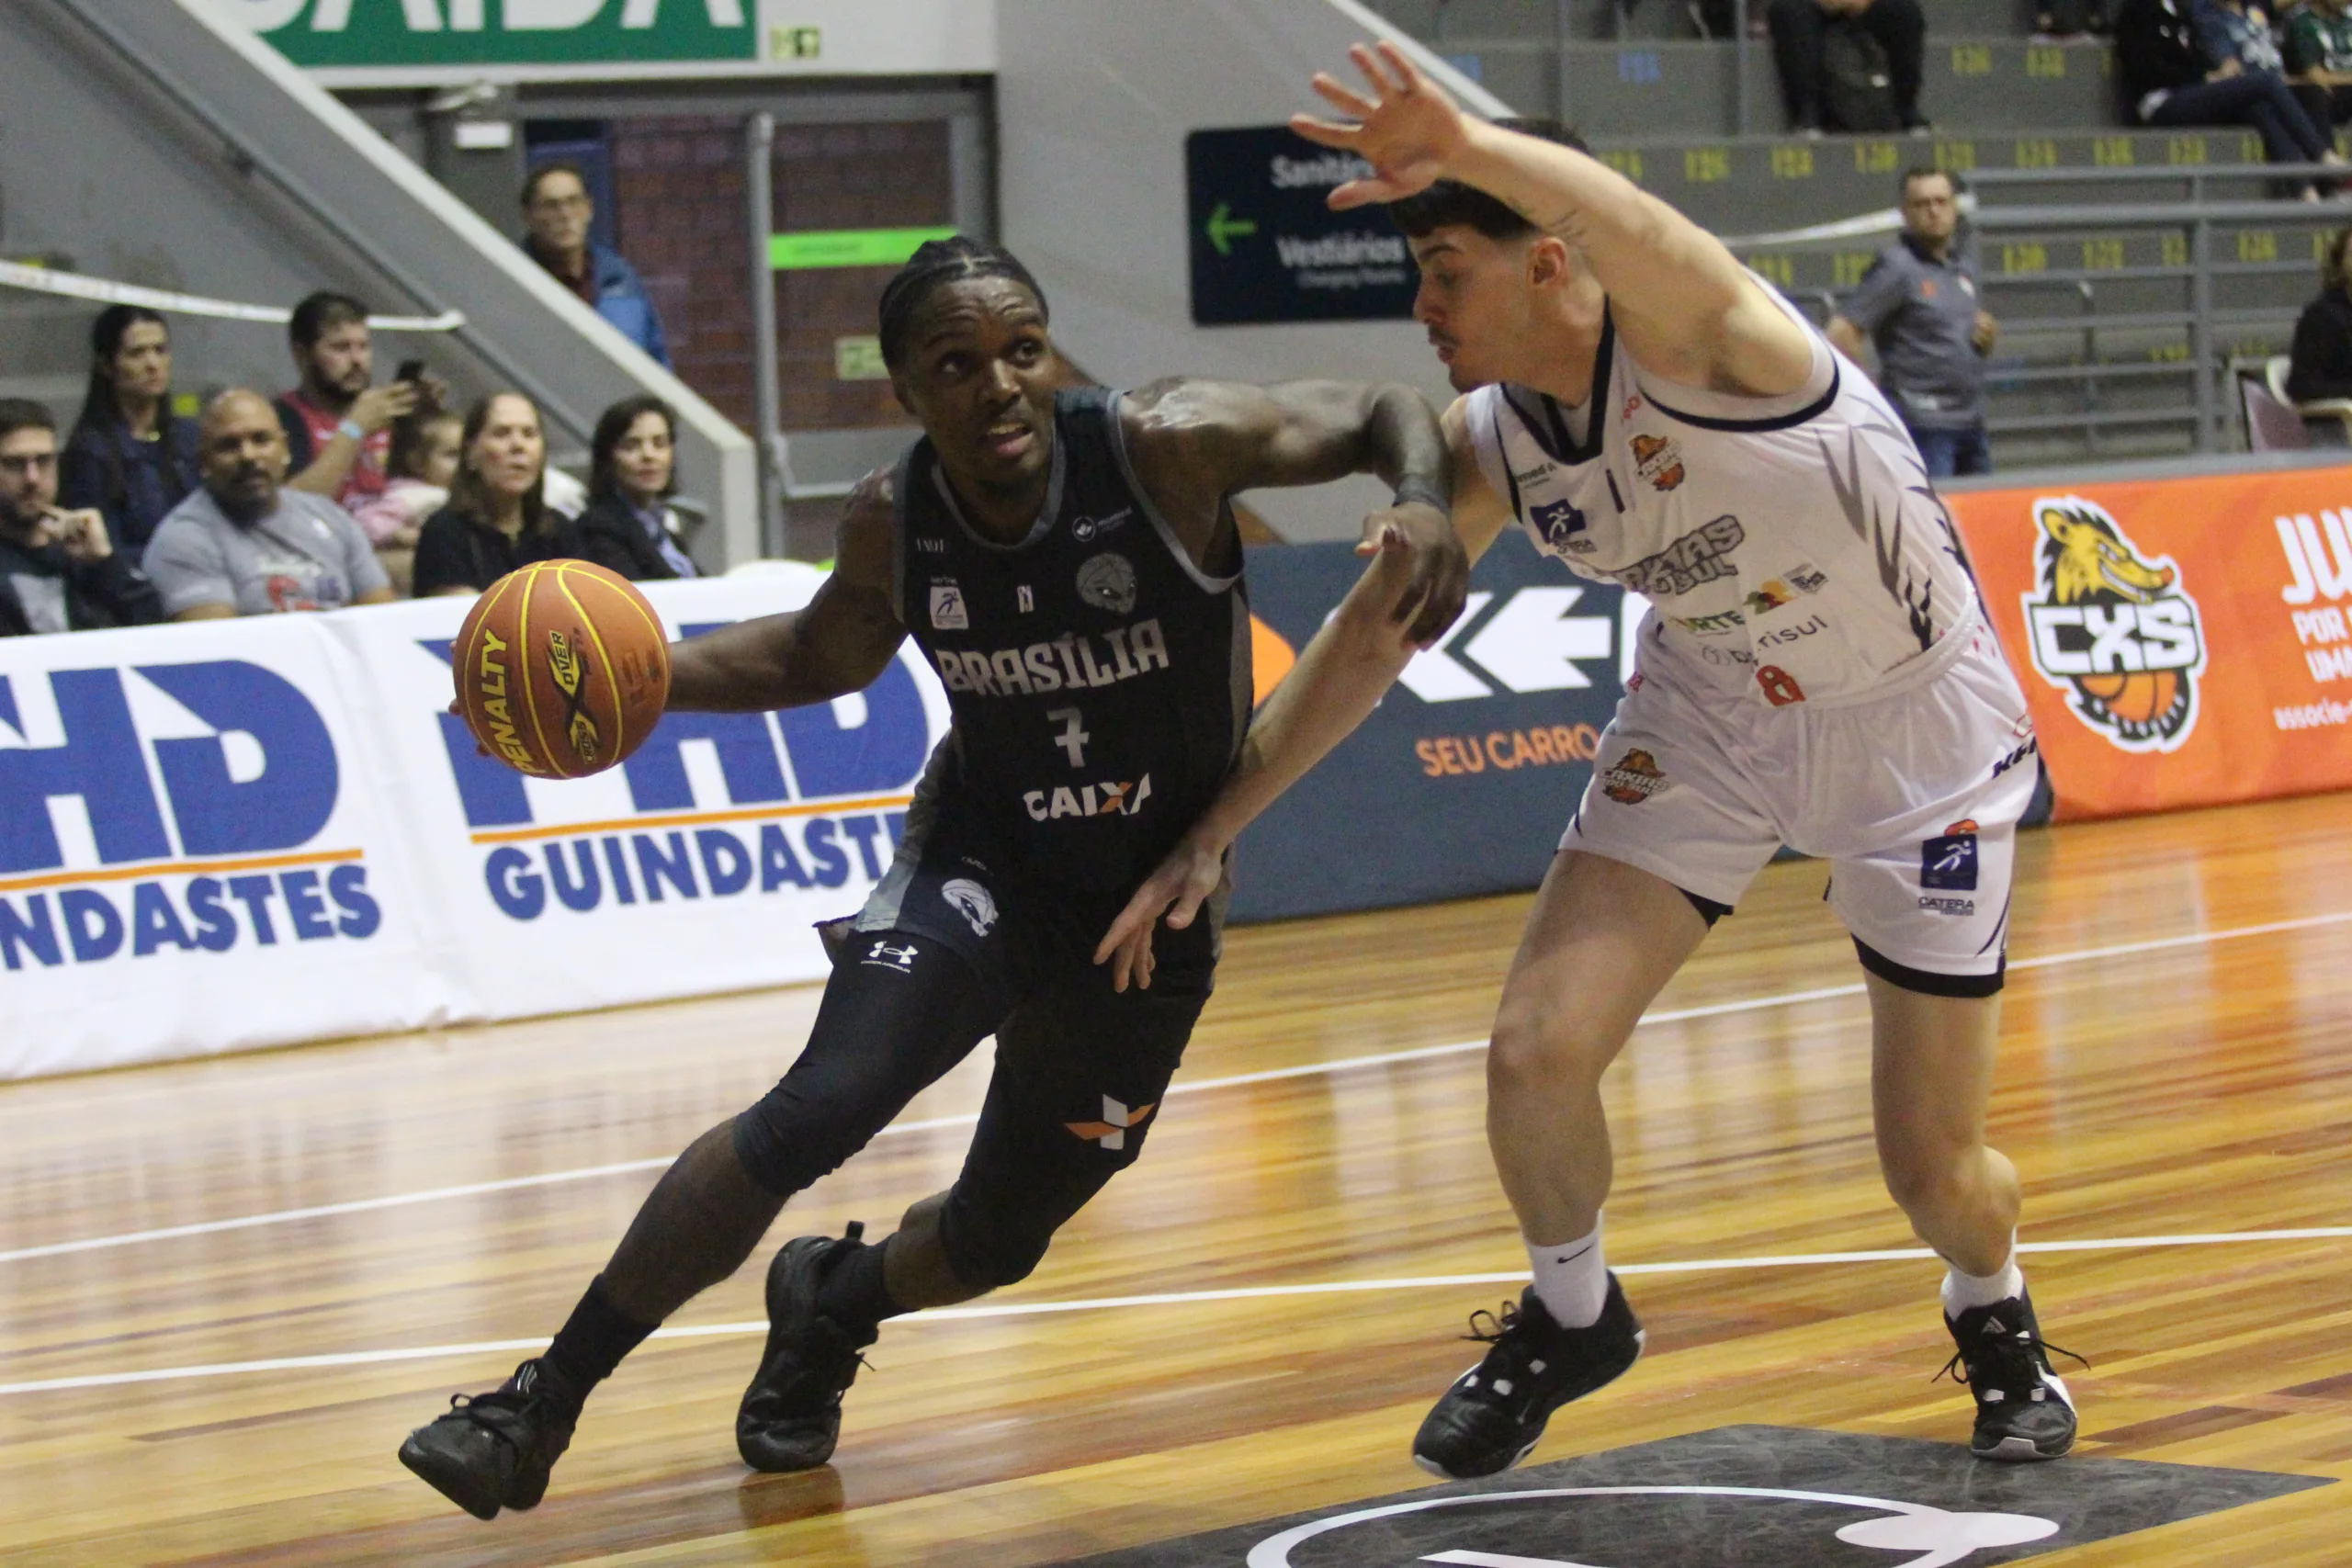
(1172, 1298)
(1237, 1081)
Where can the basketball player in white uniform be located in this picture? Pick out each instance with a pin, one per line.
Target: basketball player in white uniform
(1816, 669)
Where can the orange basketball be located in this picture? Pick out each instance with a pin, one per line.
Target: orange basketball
(562, 669)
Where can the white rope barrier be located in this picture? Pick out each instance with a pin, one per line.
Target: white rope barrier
(73, 284)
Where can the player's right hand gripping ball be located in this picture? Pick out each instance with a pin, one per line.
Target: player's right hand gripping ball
(562, 669)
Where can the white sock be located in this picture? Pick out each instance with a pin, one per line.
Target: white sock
(1571, 1281)
(1962, 1292)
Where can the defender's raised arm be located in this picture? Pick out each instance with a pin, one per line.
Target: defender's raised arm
(1684, 305)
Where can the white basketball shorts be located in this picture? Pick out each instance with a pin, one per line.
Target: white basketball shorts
(1913, 797)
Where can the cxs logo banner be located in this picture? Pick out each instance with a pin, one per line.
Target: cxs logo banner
(2181, 641)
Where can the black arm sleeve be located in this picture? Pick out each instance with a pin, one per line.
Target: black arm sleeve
(2321, 359)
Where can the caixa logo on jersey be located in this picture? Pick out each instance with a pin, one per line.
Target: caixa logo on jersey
(2113, 627)
(169, 809)
(810, 797)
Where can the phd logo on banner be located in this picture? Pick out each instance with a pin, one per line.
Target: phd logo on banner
(2113, 629)
(811, 798)
(203, 792)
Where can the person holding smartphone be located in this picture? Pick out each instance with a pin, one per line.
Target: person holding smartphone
(338, 423)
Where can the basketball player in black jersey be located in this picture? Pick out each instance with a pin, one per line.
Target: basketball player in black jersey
(1069, 562)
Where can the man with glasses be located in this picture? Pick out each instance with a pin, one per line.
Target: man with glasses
(59, 569)
(560, 214)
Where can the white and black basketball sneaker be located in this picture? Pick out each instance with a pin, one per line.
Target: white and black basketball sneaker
(1494, 1413)
(2023, 1412)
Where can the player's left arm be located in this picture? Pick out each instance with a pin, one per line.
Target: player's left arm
(1195, 443)
(1340, 678)
(1683, 304)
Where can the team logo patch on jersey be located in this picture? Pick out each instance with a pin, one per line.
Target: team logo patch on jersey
(1087, 528)
(974, 902)
(1723, 624)
(2113, 629)
(1635, 777)
(947, 611)
(1107, 581)
(1559, 522)
(1701, 557)
(1658, 461)
(1775, 592)
(1949, 863)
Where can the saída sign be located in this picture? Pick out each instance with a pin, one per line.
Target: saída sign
(502, 32)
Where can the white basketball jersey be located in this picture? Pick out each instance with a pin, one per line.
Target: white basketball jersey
(1791, 548)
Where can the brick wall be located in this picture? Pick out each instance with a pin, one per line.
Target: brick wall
(678, 190)
(678, 185)
(847, 177)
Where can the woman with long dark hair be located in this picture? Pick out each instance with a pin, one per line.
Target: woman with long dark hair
(497, 519)
(633, 471)
(128, 456)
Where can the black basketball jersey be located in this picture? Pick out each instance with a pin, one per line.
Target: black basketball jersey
(1100, 680)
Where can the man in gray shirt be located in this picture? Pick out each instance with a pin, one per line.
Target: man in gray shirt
(1918, 304)
(243, 544)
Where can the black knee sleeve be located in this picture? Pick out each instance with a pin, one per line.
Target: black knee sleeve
(998, 1220)
(900, 1010)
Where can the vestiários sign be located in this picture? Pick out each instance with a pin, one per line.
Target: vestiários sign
(1267, 247)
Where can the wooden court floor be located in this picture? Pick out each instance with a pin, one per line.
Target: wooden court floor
(2178, 1064)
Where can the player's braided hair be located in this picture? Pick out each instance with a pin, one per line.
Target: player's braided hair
(937, 262)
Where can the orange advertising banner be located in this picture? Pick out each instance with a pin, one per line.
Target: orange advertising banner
(2182, 642)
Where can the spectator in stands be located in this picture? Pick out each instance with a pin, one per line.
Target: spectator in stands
(497, 518)
(1919, 305)
(338, 424)
(423, 460)
(2212, 62)
(556, 209)
(2318, 59)
(1801, 47)
(2321, 362)
(248, 544)
(129, 456)
(633, 471)
(59, 569)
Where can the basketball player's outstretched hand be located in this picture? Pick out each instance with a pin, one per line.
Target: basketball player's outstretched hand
(1185, 879)
(1408, 130)
(1420, 539)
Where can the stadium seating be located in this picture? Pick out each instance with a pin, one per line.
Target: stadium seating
(1665, 107)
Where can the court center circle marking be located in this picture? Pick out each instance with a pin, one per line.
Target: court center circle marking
(1199, 1085)
(1943, 1536)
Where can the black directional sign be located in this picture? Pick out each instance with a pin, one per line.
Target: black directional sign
(1266, 248)
(1739, 1498)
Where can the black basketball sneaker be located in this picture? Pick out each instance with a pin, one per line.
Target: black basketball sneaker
(791, 1416)
(2023, 1412)
(1494, 1413)
(493, 1450)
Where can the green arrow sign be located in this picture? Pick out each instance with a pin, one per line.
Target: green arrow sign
(1224, 227)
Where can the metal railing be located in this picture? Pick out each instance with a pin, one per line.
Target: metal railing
(2197, 215)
